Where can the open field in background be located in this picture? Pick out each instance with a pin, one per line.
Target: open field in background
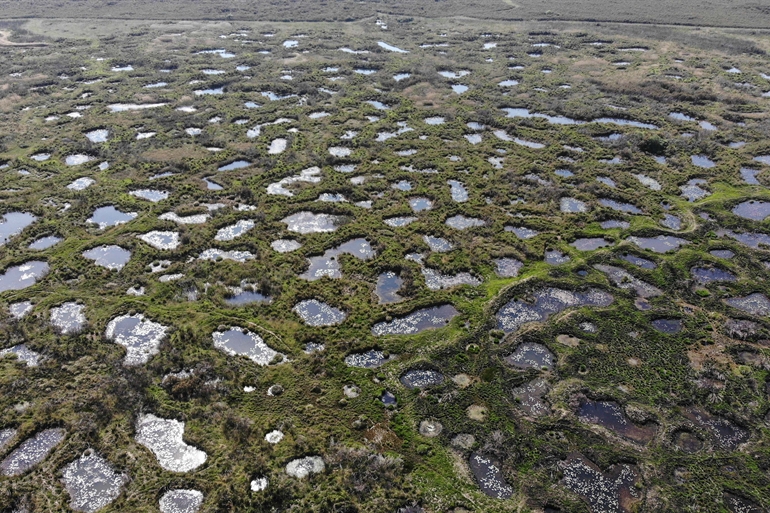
(735, 13)
(656, 401)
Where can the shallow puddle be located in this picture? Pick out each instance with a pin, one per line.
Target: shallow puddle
(317, 313)
(547, 302)
(489, 476)
(164, 437)
(92, 482)
(417, 321)
(388, 285)
(531, 355)
(109, 257)
(141, 337)
(110, 216)
(239, 341)
(31, 452)
(609, 415)
(19, 277)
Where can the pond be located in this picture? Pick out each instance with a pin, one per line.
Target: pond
(556, 257)
(668, 326)
(638, 261)
(572, 205)
(609, 182)
(437, 244)
(181, 501)
(22, 276)
(238, 164)
(13, 223)
(754, 304)
(711, 274)
(388, 285)
(722, 253)
(612, 492)
(303, 467)
(164, 437)
(76, 160)
(507, 267)
(421, 378)
(459, 88)
(545, 303)
(417, 321)
(531, 355)
(398, 222)
(124, 107)
(620, 206)
(216, 255)
(285, 245)
(726, 434)
(626, 122)
(750, 175)
(141, 337)
(659, 244)
(23, 354)
(531, 397)
(522, 232)
(388, 399)
(161, 240)
(435, 280)
(369, 360)
(453, 74)
(110, 216)
(233, 231)
(307, 222)
(191, 219)
(692, 191)
(610, 415)
(212, 186)
(150, 194)
(45, 242)
(92, 482)
(671, 222)
(460, 222)
(590, 244)
(390, 48)
(340, 151)
(328, 264)
(702, 161)
(377, 105)
(81, 184)
(31, 452)
(420, 204)
(98, 136)
(753, 210)
(458, 191)
(317, 313)
(240, 341)
(68, 318)
(624, 280)
(489, 476)
(277, 146)
(525, 113)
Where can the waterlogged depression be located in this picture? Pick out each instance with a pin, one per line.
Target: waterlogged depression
(349, 260)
